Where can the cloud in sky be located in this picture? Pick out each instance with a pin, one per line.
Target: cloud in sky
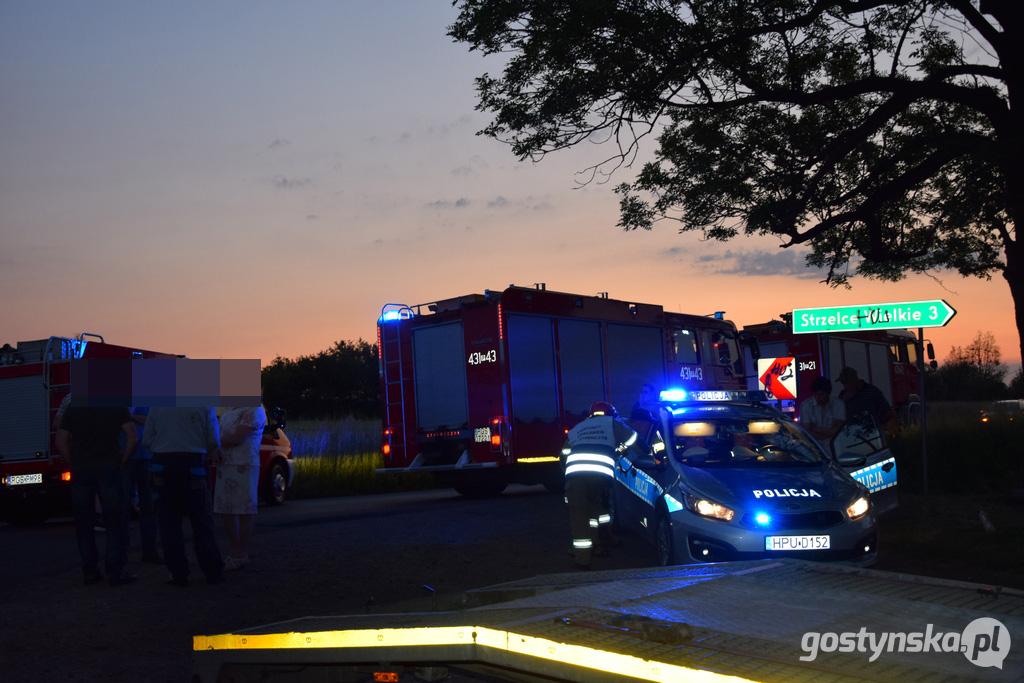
(750, 262)
(459, 203)
(286, 183)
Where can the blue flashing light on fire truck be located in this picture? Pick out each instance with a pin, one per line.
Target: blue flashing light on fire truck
(479, 390)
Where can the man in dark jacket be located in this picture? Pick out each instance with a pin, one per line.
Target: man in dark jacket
(89, 439)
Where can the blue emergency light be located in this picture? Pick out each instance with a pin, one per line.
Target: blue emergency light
(393, 312)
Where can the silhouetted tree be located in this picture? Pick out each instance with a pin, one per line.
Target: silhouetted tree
(338, 382)
(884, 134)
(970, 373)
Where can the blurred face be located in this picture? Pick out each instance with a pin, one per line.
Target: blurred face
(821, 397)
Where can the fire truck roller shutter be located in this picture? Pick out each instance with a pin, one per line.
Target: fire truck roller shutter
(582, 364)
(532, 368)
(636, 355)
(440, 376)
(26, 414)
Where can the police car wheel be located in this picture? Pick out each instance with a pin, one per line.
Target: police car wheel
(664, 542)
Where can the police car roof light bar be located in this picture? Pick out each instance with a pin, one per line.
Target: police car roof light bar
(711, 396)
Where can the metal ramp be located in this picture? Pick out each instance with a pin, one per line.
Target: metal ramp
(743, 621)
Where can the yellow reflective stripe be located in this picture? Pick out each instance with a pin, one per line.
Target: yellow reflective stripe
(487, 638)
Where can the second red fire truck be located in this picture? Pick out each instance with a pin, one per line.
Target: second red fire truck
(35, 376)
(479, 390)
(889, 359)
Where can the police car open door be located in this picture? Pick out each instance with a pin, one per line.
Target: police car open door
(861, 450)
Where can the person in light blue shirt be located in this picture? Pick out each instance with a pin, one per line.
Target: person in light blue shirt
(140, 480)
(182, 439)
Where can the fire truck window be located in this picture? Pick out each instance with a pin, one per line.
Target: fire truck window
(686, 347)
(727, 353)
(911, 351)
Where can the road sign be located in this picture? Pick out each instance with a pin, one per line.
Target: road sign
(778, 377)
(934, 313)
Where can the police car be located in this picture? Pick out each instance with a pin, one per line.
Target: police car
(740, 480)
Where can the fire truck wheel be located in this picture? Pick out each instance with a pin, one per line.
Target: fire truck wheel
(481, 489)
(276, 486)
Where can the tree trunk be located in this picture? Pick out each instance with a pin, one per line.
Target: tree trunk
(1014, 275)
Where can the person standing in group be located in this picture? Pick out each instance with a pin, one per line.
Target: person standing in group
(89, 440)
(235, 494)
(590, 455)
(140, 479)
(863, 400)
(181, 439)
(822, 415)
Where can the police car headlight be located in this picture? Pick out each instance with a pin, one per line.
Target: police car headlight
(707, 508)
(858, 508)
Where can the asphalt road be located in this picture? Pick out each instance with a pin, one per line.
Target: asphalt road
(309, 557)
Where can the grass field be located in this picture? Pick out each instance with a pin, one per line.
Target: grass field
(338, 458)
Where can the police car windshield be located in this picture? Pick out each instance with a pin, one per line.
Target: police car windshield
(706, 440)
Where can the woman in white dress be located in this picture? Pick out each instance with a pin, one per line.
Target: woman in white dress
(235, 494)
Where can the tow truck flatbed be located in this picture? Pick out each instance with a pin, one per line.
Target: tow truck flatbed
(725, 621)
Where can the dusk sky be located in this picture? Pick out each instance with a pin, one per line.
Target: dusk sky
(257, 179)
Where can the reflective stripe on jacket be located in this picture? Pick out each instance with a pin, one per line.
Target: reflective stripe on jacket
(593, 446)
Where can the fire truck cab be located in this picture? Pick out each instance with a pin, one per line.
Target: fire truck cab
(480, 390)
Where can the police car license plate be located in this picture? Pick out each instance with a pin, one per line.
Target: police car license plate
(16, 479)
(797, 542)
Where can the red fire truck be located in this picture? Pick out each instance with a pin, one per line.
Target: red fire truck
(480, 390)
(886, 358)
(35, 376)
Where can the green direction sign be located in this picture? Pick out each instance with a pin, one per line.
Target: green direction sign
(934, 313)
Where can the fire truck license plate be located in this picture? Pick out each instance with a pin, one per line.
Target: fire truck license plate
(16, 479)
(797, 542)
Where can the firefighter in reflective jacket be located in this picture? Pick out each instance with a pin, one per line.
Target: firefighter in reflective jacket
(591, 455)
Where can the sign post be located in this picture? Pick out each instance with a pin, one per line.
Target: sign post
(888, 316)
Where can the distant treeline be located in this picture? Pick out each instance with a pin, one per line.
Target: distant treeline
(974, 372)
(339, 382)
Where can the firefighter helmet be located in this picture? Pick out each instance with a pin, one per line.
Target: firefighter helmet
(602, 408)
